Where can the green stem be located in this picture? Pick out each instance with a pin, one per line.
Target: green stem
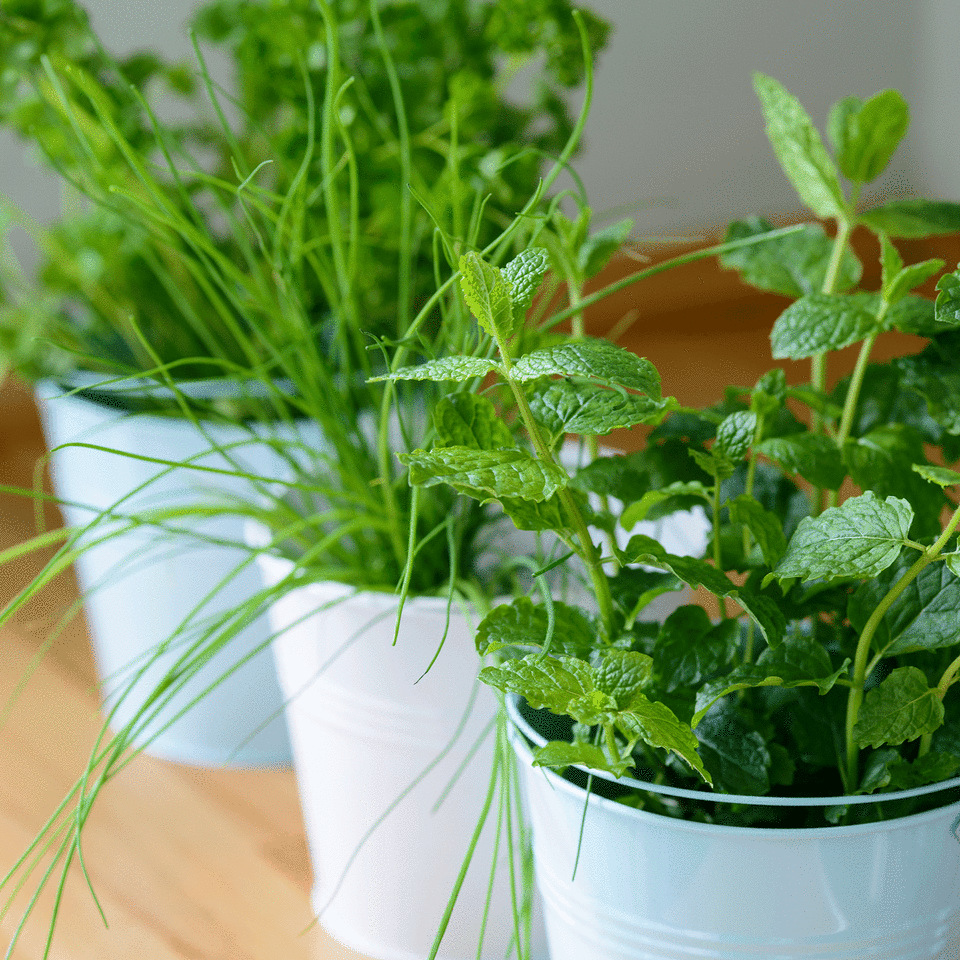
(588, 551)
(818, 363)
(716, 526)
(949, 676)
(751, 477)
(855, 697)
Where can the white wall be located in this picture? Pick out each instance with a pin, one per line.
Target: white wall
(676, 133)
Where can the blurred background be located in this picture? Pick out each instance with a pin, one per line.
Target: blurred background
(675, 138)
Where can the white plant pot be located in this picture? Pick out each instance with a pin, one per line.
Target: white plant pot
(138, 587)
(375, 748)
(648, 887)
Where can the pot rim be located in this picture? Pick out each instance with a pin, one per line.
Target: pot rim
(521, 725)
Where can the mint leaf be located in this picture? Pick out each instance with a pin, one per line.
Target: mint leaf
(734, 753)
(621, 674)
(947, 309)
(690, 648)
(898, 286)
(915, 315)
(935, 375)
(866, 134)
(536, 514)
(903, 707)
(562, 685)
(734, 435)
(446, 368)
(638, 511)
(657, 725)
(926, 615)
(485, 474)
(799, 149)
(797, 662)
(887, 768)
(942, 476)
(469, 420)
(696, 573)
(793, 265)
(524, 274)
(913, 218)
(860, 538)
(882, 460)
(558, 753)
(764, 525)
(813, 456)
(487, 294)
(590, 410)
(595, 360)
(596, 251)
(821, 322)
(524, 624)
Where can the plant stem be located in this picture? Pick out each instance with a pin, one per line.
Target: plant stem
(818, 363)
(588, 551)
(853, 395)
(751, 477)
(855, 697)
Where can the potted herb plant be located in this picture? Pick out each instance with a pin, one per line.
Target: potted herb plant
(157, 298)
(791, 741)
(282, 256)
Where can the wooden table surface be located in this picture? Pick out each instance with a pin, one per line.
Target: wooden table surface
(188, 863)
(196, 864)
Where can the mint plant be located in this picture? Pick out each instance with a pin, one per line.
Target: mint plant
(831, 669)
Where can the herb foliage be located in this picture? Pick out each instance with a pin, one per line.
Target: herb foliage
(832, 668)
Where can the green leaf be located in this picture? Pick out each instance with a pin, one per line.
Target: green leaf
(697, 573)
(734, 435)
(487, 293)
(638, 511)
(948, 302)
(860, 538)
(485, 474)
(524, 624)
(915, 315)
(903, 707)
(913, 218)
(821, 322)
(595, 360)
(524, 274)
(622, 674)
(882, 460)
(891, 264)
(734, 753)
(690, 648)
(887, 769)
(909, 278)
(558, 753)
(536, 515)
(866, 134)
(799, 149)
(657, 725)
(562, 685)
(926, 615)
(469, 420)
(942, 476)
(596, 251)
(813, 456)
(935, 375)
(764, 525)
(797, 662)
(793, 265)
(589, 409)
(446, 368)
